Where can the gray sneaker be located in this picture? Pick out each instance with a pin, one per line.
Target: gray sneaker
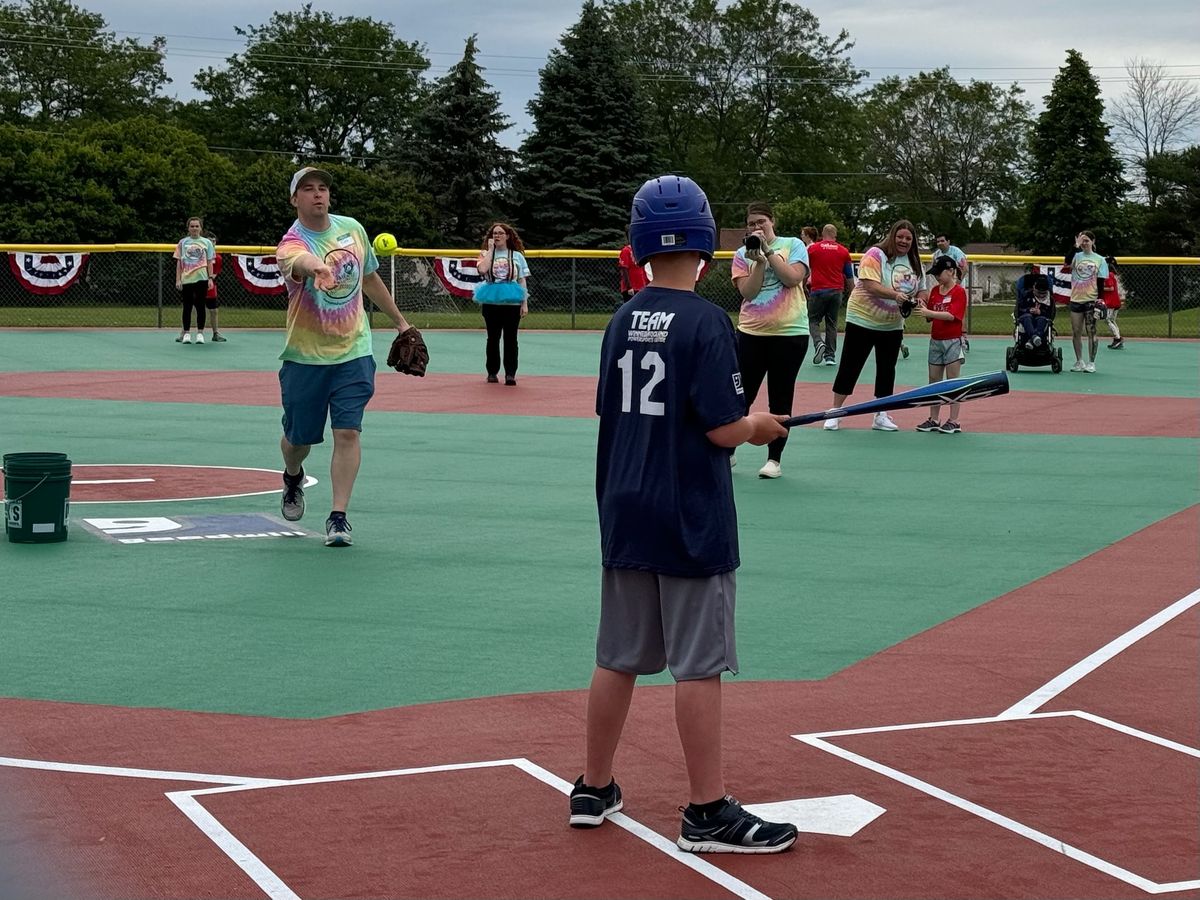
(929, 425)
(337, 530)
(292, 504)
(819, 353)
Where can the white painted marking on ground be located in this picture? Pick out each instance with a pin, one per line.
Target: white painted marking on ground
(271, 884)
(275, 888)
(844, 815)
(1038, 837)
(1145, 884)
(1091, 663)
(309, 481)
(112, 481)
(240, 781)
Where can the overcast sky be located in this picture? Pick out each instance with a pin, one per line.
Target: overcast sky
(1011, 40)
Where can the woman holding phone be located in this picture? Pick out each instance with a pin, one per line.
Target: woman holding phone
(503, 297)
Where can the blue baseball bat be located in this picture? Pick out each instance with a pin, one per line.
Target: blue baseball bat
(953, 390)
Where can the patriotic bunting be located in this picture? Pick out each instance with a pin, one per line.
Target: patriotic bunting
(47, 273)
(258, 274)
(458, 276)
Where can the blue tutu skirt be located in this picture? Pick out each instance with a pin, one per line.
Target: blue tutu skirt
(499, 292)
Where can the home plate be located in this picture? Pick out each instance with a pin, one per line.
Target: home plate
(844, 815)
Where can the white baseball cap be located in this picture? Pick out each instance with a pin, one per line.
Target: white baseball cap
(304, 173)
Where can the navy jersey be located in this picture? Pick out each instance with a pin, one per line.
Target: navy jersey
(668, 375)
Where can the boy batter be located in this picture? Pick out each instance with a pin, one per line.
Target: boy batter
(671, 408)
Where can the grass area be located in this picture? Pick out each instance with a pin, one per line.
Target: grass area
(987, 319)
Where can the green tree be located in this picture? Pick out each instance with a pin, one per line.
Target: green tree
(944, 152)
(1173, 226)
(750, 99)
(136, 179)
(58, 62)
(455, 153)
(312, 85)
(794, 214)
(1075, 177)
(590, 148)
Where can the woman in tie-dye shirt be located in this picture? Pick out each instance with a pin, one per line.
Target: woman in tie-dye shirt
(1089, 271)
(769, 273)
(888, 286)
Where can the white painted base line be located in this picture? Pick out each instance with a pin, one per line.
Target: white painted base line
(1091, 663)
(819, 741)
(274, 886)
(121, 772)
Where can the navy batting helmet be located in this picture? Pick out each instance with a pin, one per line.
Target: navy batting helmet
(670, 214)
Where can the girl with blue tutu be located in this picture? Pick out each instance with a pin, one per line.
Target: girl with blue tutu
(502, 297)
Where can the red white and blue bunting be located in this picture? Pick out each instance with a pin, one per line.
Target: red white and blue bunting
(458, 276)
(258, 274)
(47, 273)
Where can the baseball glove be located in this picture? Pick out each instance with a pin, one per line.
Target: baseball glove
(408, 354)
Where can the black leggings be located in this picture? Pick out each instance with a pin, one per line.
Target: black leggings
(193, 298)
(778, 360)
(501, 319)
(856, 347)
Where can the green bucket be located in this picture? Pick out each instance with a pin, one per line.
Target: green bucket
(37, 497)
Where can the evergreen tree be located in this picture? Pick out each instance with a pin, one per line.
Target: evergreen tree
(591, 146)
(455, 153)
(1075, 178)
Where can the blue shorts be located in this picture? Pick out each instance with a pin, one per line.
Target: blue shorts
(313, 394)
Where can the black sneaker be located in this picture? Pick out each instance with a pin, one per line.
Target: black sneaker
(510, 380)
(218, 338)
(492, 379)
(929, 425)
(733, 830)
(904, 350)
(337, 530)
(1117, 344)
(591, 806)
(292, 504)
(950, 428)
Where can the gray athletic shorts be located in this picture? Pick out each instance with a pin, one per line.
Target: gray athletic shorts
(649, 622)
(942, 353)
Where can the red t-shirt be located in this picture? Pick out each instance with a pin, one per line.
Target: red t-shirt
(212, 288)
(1112, 294)
(954, 303)
(827, 261)
(633, 276)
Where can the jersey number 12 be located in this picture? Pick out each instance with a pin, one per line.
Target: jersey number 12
(652, 363)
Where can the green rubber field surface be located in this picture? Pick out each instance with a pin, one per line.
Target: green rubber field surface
(1143, 368)
(475, 568)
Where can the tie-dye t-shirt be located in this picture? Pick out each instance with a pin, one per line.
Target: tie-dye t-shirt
(194, 254)
(327, 327)
(1086, 270)
(881, 313)
(777, 310)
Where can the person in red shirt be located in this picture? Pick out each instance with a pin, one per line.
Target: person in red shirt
(633, 276)
(945, 310)
(1114, 296)
(832, 277)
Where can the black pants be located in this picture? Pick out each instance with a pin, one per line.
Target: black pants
(778, 360)
(193, 298)
(856, 347)
(502, 320)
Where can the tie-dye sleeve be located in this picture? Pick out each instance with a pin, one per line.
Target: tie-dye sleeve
(290, 249)
(740, 267)
(870, 267)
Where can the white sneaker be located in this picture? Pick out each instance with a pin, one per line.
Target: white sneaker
(1089, 367)
(200, 338)
(770, 470)
(187, 338)
(1079, 366)
(732, 460)
(832, 424)
(883, 422)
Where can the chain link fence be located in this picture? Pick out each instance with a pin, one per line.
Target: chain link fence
(137, 289)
